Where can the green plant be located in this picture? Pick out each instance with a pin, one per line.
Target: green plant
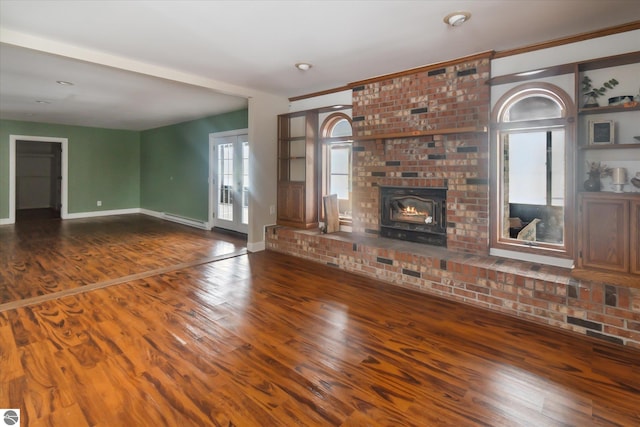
(597, 169)
(594, 92)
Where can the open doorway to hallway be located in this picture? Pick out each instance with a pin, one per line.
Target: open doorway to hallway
(38, 179)
(38, 175)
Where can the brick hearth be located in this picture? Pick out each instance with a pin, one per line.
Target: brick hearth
(539, 293)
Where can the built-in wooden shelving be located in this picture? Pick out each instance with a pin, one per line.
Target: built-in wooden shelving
(608, 109)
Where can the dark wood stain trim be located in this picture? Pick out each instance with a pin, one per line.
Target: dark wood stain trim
(320, 93)
(635, 25)
(488, 54)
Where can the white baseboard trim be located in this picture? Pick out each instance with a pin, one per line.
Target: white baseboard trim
(256, 247)
(6, 221)
(93, 214)
(177, 219)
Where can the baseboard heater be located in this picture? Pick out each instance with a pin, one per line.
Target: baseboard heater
(185, 221)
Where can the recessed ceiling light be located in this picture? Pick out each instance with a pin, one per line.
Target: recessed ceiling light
(456, 19)
(304, 66)
(64, 83)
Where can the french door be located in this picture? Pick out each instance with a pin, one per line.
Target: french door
(230, 182)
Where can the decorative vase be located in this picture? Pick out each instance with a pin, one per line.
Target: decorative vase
(593, 183)
(590, 101)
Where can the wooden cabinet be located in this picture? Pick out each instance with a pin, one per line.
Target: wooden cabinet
(609, 227)
(609, 232)
(297, 170)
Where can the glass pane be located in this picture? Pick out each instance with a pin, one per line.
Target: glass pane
(340, 186)
(534, 186)
(527, 168)
(245, 182)
(225, 181)
(340, 160)
(557, 168)
(341, 128)
(533, 108)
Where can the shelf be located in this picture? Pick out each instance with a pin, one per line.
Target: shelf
(610, 61)
(609, 146)
(607, 109)
(429, 132)
(293, 138)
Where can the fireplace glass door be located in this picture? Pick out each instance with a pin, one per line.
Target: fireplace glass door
(413, 210)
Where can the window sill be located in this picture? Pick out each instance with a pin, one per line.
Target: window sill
(535, 258)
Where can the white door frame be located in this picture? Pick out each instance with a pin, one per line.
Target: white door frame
(212, 179)
(13, 139)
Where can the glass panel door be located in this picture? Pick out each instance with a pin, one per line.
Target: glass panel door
(231, 182)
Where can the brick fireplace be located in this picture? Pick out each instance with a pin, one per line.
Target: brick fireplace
(444, 99)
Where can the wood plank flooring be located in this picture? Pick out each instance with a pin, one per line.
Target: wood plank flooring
(43, 257)
(266, 339)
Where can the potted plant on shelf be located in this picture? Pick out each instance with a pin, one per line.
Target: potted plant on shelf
(592, 93)
(595, 170)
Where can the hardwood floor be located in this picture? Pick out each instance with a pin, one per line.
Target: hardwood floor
(270, 340)
(43, 257)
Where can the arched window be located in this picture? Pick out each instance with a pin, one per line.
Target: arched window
(336, 137)
(532, 167)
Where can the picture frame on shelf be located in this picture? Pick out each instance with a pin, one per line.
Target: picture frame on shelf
(601, 132)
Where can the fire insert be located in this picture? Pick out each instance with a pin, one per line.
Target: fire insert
(415, 214)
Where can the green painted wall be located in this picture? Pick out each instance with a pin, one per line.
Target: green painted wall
(174, 164)
(104, 164)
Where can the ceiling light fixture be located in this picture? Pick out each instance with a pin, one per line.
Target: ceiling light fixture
(303, 66)
(40, 101)
(456, 19)
(64, 83)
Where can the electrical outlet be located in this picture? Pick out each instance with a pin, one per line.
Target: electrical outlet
(99, 203)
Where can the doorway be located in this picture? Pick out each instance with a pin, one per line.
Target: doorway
(38, 180)
(229, 180)
(38, 174)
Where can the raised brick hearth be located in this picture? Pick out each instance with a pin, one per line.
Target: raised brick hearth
(543, 294)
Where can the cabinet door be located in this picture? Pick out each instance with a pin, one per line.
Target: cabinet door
(605, 234)
(634, 248)
(290, 203)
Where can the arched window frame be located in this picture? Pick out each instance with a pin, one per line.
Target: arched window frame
(327, 142)
(500, 128)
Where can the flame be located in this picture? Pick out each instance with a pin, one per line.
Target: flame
(412, 211)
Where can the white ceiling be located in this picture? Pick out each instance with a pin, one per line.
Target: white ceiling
(243, 47)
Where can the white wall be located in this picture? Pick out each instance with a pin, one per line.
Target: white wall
(336, 98)
(263, 135)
